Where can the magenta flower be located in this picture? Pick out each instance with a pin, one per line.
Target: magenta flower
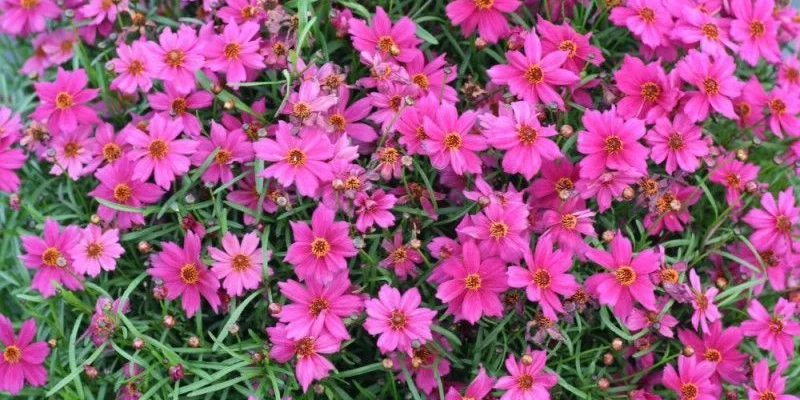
(22, 357)
(133, 67)
(715, 82)
(773, 225)
(768, 386)
(558, 176)
(566, 223)
(398, 319)
(610, 141)
(399, 41)
(545, 277)
(374, 209)
(10, 161)
(235, 51)
(479, 388)
(450, 143)
(241, 11)
(184, 275)
(564, 37)
(346, 120)
(774, 332)
(177, 104)
(403, 259)
(51, 258)
(318, 308)
(649, 93)
(108, 146)
(734, 175)
(647, 19)
(679, 142)
(308, 104)
(176, 57)
(500, 231)
(104, 320)
(239, 266)
(606, 187)
(628, 278)
(233, 148)
(693, 379)
(527, 380)
(705, 310)
(21, 17)
(783, 109)
(488, 16)
(100, 11)
(640, 319)
(756, 29)
(159, 152)
(63, 102)
(96, 250)
(410, 123)
(117, 185)
(695, 26)
(432, 78)
(73, 152)
(531, 75)
(423, 363)
(525, 140)
(311, 365)
(718, 346)
(319, 252)
(670, 208)
(299, 160)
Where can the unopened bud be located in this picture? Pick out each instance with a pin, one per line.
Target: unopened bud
(721, 282)
(138, 343)
(617, 344)
(675, 205)
(566, 130)
(274, 308)
(407, 161)
(628, 193)
(228, 104)
(741, 154)
(526, 359)
(480, 43)
(603, 383)
(751, 187)
(387, 363)
(168, 322)
(688, 351)
(608, 236)
(415, 243)
(193, 342)
(176, 372)
(143, 247)
(234, 329)
(95, 219)
(90, 371)
(608, 359)
(52, 342)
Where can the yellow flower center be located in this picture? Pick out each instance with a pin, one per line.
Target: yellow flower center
(122, 192)
(64, 100)
(158, 149)
(51, 256)
(534, 74)
(296, 157)
(12, 354)
(320, 247)
(625, 275)
(472, 282)
(189, 273)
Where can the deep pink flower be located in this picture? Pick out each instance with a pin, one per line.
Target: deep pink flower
(450, 142)
(768, 386)
(487, 16)
(104, 320)
(749, 107)
(783, 107)
(235, 51)
(627, 278)
(789, 73)
(51, 258)
(403, 259)
(108, 147)
(610, 141)
(718, 346)
(423, 363)
(410, 123)
(568, 223)
(21, 17)
(96, 250)
(398, 41)
(715, 82)
(773, 225)
(100, 11)
(238, 265)
(640, 319)
(693, 379)
(679, 142)
(756, 29)
(311, 365)
(233, 148)
(346, 120)
(531, 75)
(241, 11)
(432, 78)
(647, 19)
(176, 57)
(774, 332)
(705, 310)
(527, 380)
(178, 104)
(318, 308)
(608, 186)
(398, 319)
(159, 152)
(649, 93)
(564, 37)
(695, 26)
(558, 176)
(22, 357)
(10, 161)
(63, 101)
(500, 231)
(734, 175)
(246, 195)
(185, 275)
(117, 185)
(73, 152)
(478, 389)
(374, 209)
(319, 252)
(670, 208)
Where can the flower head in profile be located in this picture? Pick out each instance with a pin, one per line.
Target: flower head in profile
(487, 16)
(719, 346)
(309, 350)
(692, 380)
(527, 380)
(97, 250)
(117, 185)
(679, 142)
(649, 93)
(238, 265)
(63, 102)
(51, 257)
(398, 319)
(318, 308)
(397, 41)
(449, 140)
(773, 225)
(235, 51)
(320, 251)
(774, 332)
(22, 358)
(716, 85)
(769, 386)
(610, 141)
(159, 153)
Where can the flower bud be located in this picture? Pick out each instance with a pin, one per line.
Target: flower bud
(228, 104)
(721, 282)
(387, 363)
(617, 344)
(234, 329)
(608, 236)
(688, 351)
(95, 219)
(138, 343)
(603, 383)
(90, 371)
(193, 342)
(176, 372)
(168, 322)
(274, 308)
(628, 193)
(566, 131)
(52, 342)
(608, 359)
(526, 359)
(741, 154)
(143, 247)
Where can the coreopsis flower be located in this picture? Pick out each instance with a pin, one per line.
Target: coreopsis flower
(606, 187)
(403, 259)
(177, 104)
(670, 208)
(692, 380)
(311, 364)
(734, 176)
(238, 265)
(473, 285)
(22, 357)
(158, 152)
(567, 223)
(705, 311)
(398, 319)
(134, 376)
(235, 51)
(177, 57)
(719, 346)
(344, 119)
(756, 30)
(300, 160)
(21, 17)
(532, 75)
(774, 332)
(247, 196)
(60, 46)
(424, 362)
(488, 16)
(241, 11)
(51, 257)
(558, 176)
(789, 73)
(627, 277)
(108, 146)
(679, 142)
(716, 85)
(97, 250)
(38, 62)
(545, 276)
(185, 275)
(9, 123)
(783, 107)
(525, 140)
(104, 320)
(646, 19)
(72, 152)
(771, 264)
(479, 388)
(711, 32)
(749, 107)
(449, 142)
(527, 380)
(768, 386)
(773, 225)
(233, 148)
(318, 308)
(117, 185)
(99, 11)
(11, 159)
(374, 209)
(649, 93)
(319, 252)
(500, 232)
(609, 141)
(398, 41)
(63, 102)
(640, 319)
(432, 78)
(411, 123)
(564, 37)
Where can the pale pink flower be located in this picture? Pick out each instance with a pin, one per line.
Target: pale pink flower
(178, 104)
(487, 16)
(133, 67)
(311, 365)
(527, 380)
(51, 257)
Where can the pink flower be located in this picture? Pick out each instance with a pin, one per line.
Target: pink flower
(783, 108)
(185, 275)
(398, 319)
(545, 277)
(300, 160)
(50, 257)
(311, 365)
(318, 308)
(177, 104)
(9, 123)
(411, 121)
(478, 389)
(670, 208)
(557, 176)
(159, 152)
(423, 363)
(640, 319)
(398, 41)
(21, 17)
(627, 279)
(241, 11)
(693, 379)
(734, 175)
(774, 333)
(450, 143)
(789, 73)
(567, 222)
(176, 57)
(344, 119)
(487, 16)
(72, 152)
(501, 232)
(433, 77)
(773, 225)
(63, 101)
(233, 148)
(564, 37)
(10, 161)
(247, 195)
(374, 209)
(531, 75)
(104, 320)
(695, 26)
(756, 29)
(319, 252)
(679, 142)
(235, 51)
(96, 250)
(238, 265)
(766, 385)
(527, 380)
(525, 140)
(718, 346)
(117, 185)
(749, 107)
(402, 258)
(610, 141)
(715, 82)
(22, 357)
(108, 146)
(100, 11)
(705, 310)
(606, 187)
(647, 19)
(649, 93)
